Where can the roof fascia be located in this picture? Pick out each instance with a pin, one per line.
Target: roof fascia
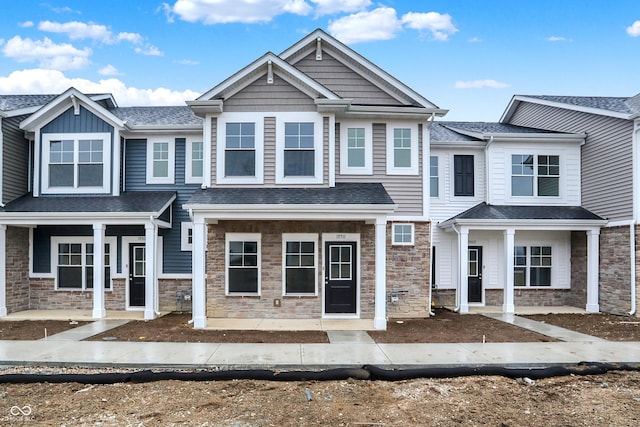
(352, 54)
(60, 103)
(459, 144)
(291, 211)
(255, 65)
(375, 111)
(161, 129)
(590, 110)
(521, 136)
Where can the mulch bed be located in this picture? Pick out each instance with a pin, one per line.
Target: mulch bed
(602, 325)
(34, 329)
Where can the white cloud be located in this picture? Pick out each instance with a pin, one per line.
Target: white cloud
(35, 81)
(329, 7)
(439, 24)
(378, 24)
(77, 30)
(26, 24)
(634, 29)
(149, 50)
(47, 53)
(186, 62)
(229, 11)
(109, 70)
(474, 40)
(558, 39)
(479, 84)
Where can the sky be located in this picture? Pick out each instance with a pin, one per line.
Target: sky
(467, 56)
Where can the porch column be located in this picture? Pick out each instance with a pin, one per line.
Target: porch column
(98, 271)
(463, 269)
(593, 266)
(150, 271)
(3, 270)
(199, 285)
(380, 316)
(508, 305)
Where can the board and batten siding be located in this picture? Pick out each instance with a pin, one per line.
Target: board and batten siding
(174, 259)
(499, 179)
(15, 155)
(343, 81)
(607, 161)
(405, 190)
(262, 96)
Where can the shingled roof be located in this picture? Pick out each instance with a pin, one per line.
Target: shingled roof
(156, 116)
(484, 211)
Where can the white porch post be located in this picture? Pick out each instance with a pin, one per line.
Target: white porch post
(509, 243)
(3, 270)
(593, 266)
(380, 316)
(150, 271)
(199, 288)
(463, 249)
(98, 271)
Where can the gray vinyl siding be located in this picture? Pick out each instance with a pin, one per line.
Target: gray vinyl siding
(607, 160)
(174, 259)
(269, 151)
(15, 155)
(277, 96)
(405, 190)
(343, 81)
(214, 148)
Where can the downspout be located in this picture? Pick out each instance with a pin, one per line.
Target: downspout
(156, 290)
(430, 302)
(632, 228)
(458, 302)
(632, 239)
(1, 164)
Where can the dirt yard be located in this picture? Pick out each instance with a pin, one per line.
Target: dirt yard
(612, 399)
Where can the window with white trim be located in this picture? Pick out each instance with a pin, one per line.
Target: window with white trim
(300, 266)
(356, 148)
(299, 149)
(72, 259)
(242, 263)
(160, 161)
(194, 162)
(433, 176)
(402, 149)
(76, 163)
(532, 266)
(403, 234)
(535, 175)
(240, 149)
(186, 236)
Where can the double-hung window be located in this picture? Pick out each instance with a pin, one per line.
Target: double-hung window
(532, 266)
(299, 149)
(356, 145)
(433, 176)
(535, 175)
(76, 163)
(240, 149)
(160, 161)
(194, 162)
(402, 149)
(73, 260)
(300, 267)
(242, 263)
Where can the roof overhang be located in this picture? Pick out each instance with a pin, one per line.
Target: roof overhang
(206, 106)
(522, 224)
(393, 112)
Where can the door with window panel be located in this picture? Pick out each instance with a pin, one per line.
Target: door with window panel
(340, 278)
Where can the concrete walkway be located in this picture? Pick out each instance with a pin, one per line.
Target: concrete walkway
(346, 349)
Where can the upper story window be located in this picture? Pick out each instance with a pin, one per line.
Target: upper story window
(299, 149)
(535, 175)
(76, 163)
(433, 176)
(463, 175)
(160, 161)
(240, 149)
(356, 144)
(402, 149)
(194, 162)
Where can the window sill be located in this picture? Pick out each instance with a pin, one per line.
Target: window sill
(292, 296)
(233, 295)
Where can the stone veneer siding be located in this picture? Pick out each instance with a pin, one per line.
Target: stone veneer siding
(17, 269)
(408, 269)
(615, 270)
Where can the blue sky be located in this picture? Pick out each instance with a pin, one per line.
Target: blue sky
(468, 56)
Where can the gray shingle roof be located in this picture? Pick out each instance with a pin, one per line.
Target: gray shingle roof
(616, 104)
(441, 133)
(342, 193)
(127, 202)
(509, 212)
(17, 102)
(458, 131)
(153, 116)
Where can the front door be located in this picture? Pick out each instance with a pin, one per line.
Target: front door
(137, 274)
(475, 274)
(340, 278)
